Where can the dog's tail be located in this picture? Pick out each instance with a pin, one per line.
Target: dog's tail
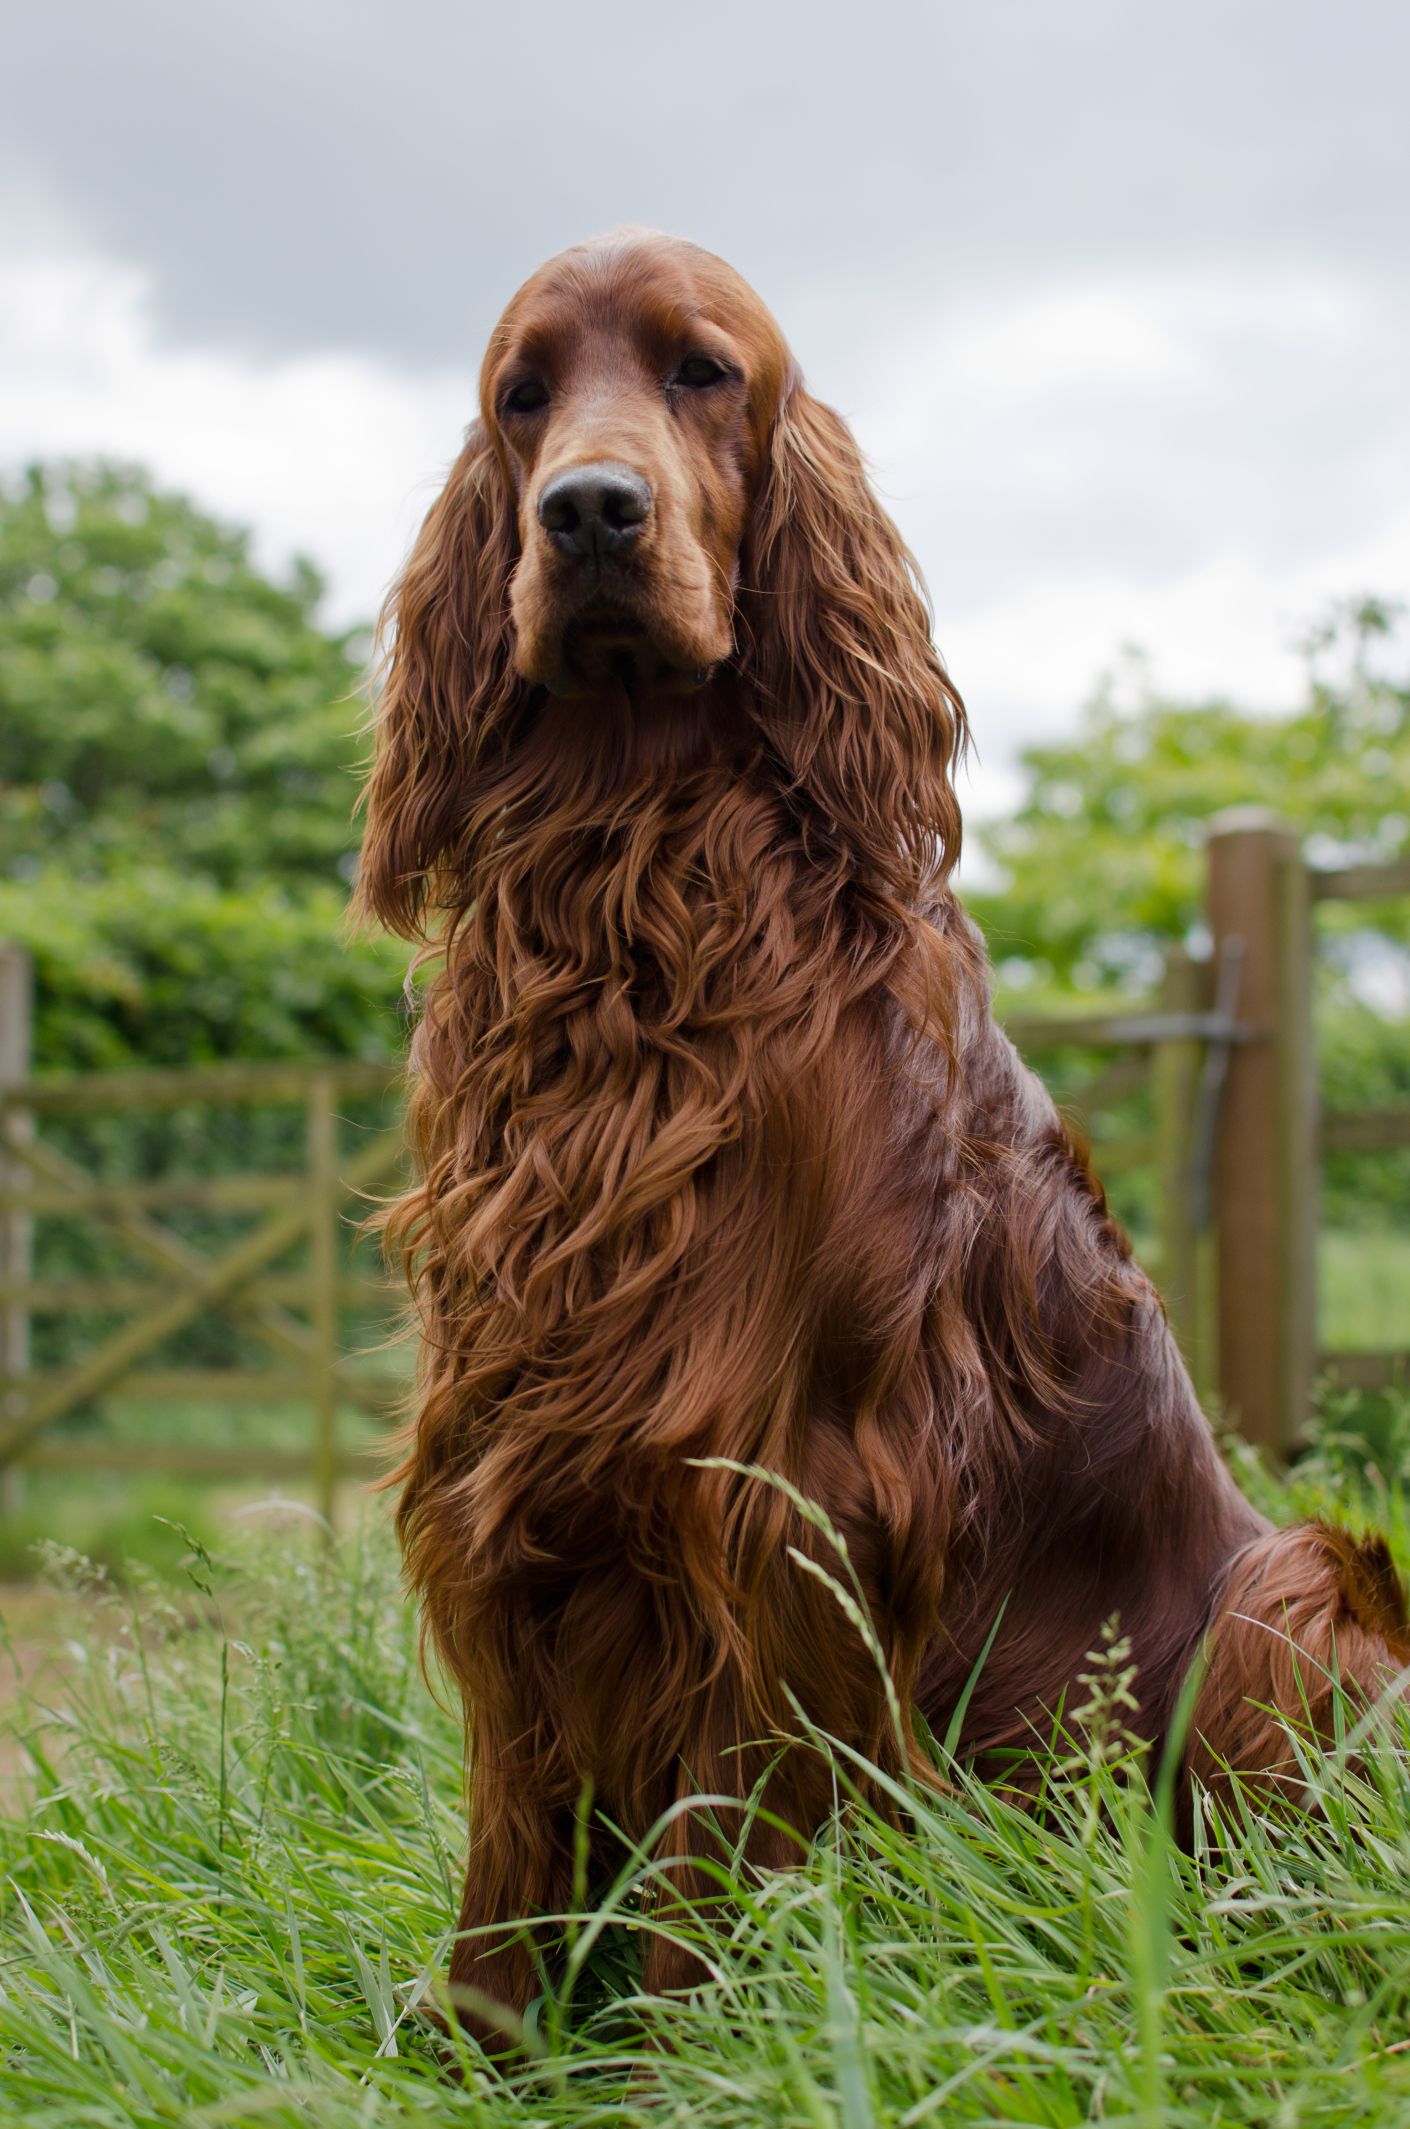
(1304, 1615)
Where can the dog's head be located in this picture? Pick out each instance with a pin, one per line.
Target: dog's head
(627, 398)
(650, 510)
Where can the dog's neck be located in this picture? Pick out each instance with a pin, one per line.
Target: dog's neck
(618, 735)
(656, 861)
(612, 789)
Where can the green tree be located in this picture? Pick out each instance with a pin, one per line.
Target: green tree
(179, 748)
(1102, 864)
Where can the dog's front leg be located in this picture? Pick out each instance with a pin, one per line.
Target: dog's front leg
(694, 1882)
(701, 1857)
(519, 1869)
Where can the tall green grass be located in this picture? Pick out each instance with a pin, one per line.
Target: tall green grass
(235, 1873)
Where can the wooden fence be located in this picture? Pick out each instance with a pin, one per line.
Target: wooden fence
(1227, 1055)
(293, 1315)
(1241, 1128)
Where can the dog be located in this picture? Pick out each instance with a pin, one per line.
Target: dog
(724, 1169)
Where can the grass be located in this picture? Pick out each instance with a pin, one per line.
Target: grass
(237, 1858)
(1363, 1278)
(114, 1517)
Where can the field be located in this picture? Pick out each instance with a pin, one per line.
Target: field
(1364, 1288)
(230, 1876)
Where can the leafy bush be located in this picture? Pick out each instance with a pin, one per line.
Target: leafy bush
(179, 756)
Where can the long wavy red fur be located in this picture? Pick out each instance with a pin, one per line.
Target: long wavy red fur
(722, 1160)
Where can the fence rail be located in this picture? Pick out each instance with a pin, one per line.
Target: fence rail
(295, 1314)
(1225, 1054)
(1360, 883)
(84, 1093)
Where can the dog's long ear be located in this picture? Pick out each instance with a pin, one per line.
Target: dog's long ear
(835, 639)
(449, 690)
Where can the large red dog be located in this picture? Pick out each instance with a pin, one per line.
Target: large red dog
(722, 1156)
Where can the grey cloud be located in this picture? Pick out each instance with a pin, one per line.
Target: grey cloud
(296, 174)
(375, 177)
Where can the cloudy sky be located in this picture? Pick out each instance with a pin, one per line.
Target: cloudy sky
(1116, 295)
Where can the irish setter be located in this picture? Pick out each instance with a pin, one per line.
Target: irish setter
(724, 1162)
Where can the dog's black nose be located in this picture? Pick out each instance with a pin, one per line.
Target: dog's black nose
(594, 510)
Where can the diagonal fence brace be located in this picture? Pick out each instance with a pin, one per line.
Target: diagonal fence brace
(276, 1327)
(222, 1276)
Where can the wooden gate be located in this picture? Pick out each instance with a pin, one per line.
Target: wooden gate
(294, 1313)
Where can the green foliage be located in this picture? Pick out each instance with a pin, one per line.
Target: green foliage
(237, 1865)
(1102, 865)
(1364, 1059)
(178, 770)
(160, 693)
(150, 967)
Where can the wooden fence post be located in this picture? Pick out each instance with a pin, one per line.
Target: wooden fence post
(16, 1228)
(323, 1288)
(1175, 1073)
(1265, 1171)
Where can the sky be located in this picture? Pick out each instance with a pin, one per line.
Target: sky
(1115, 296)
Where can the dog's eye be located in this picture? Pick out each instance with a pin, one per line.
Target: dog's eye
(526, 397)
(698, 371)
